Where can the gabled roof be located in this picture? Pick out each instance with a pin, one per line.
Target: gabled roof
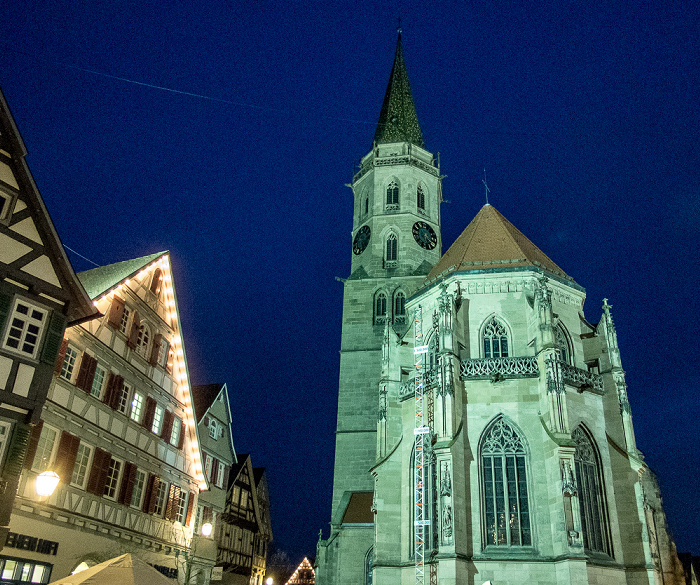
(101, 279)
(52, 256)
(491, 241)
(203, 397)
(398, 121)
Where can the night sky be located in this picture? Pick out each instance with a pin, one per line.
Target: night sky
(225, 132)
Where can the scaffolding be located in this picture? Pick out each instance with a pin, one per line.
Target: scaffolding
(421, 522)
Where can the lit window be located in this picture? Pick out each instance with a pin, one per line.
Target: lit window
(139, 484)
(123, 400)
(157, 419)
(391, 248)
(45, 448)
(113, 473)
(506, 509)
(420, 198)
(392, 196)
(213, 429)
(175, 433)
(124, 321)
(495, 339)
(589, 480)
(97, 382)
(26, 323)
(136, 407)
(142, 340)
(160, 499)
(82, 462)
(69, 363)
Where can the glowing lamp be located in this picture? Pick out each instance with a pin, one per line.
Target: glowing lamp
(268, 581)
(206, 529)
(46, 483)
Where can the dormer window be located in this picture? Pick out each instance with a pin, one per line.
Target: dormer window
(214, 428)
(392, 196)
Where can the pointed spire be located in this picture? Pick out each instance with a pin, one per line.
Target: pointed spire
(398, 121)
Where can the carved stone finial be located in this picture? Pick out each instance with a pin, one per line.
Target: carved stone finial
(568, 484)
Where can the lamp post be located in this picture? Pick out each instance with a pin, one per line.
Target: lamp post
(206, 529)
(46, 483)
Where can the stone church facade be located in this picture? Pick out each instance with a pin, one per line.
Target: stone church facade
(530, 470)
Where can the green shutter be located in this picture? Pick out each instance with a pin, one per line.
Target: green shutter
(54, 336)
(17, 450)
(5, 305)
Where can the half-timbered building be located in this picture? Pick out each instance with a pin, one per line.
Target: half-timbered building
(39, 295)
(118, 428)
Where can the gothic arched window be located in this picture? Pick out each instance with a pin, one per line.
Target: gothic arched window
(506, 509)
(366, 204)
(369, 565)
(392, 246)
(400, 304)
(420, 198)
(380, 308)
(562, 341)
(392, 195)
(495, 338)
(589, 481)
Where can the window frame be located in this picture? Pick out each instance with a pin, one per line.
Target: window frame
(139, 488)
(69, 362)
(113, 480)
(124, 320)
(391, 250)
(123, 401)
(393, 193)
(86, 472)
(161, 498)
(380, 307)
(420, 198)
(40, 448)
(98, 382)
(176, 431)
(143, 340)
(136, 411)
(158, 418)
(5, 434)
(23, 322)
(495, 323)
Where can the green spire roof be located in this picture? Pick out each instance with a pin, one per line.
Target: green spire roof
(99, 280)
(398, 121)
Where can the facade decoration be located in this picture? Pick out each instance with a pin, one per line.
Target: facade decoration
(531, 468)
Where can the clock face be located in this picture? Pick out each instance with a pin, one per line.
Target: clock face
(361, 240)
(424, 235)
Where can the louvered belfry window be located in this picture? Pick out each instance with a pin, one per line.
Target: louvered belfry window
(506, 509)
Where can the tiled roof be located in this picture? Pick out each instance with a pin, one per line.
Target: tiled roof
(99, 280)
(203, 397)
(491, 241)
(398, 121)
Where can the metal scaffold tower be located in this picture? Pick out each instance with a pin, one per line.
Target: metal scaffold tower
(420, 515)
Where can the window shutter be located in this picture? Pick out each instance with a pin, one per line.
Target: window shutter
(227, 470)
(214, 470)
(54, 335)
(168, 418)
(115, 312)
(149, 413)
(190, 505)
(149, 491)
(33, 444)
(134, 332)
(107, 398)
(181, 440)
(153, 359)
(173, 502)
(66, 455)
(127, 487)
(86, 373)
(117, 392)
(153, 497)
(206, 421)
(98, 473)
(61, 357)
(5, 306)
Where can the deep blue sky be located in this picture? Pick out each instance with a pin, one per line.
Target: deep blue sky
(584, 116)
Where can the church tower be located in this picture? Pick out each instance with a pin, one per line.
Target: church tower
(395, 242)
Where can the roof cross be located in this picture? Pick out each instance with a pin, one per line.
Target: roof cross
(486, 187)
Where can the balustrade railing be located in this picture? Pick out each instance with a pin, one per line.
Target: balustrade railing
(509, 367)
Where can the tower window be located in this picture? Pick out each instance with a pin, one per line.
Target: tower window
(400, 304)
(562, 342)
(392, 195)
(392, 245)
(380, 308)
(506, 509)
(495, 339)
(420, 198)
(594, 526)
(366, 205)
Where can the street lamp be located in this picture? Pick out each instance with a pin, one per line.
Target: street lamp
(206, 529)
(46, 483)
(268, 581)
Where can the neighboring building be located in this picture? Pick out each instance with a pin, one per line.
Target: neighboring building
(491, 438)
(119, 430)
(39, 295)
(303, 575)
(213, 414)
(245, 532)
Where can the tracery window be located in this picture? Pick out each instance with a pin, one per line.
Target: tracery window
(594, 518)
(506, 509)
(392, 245)
(420, 198)
(400, 307)
(392, 195)
(495, 339)
(562, 341)
(380, 308)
